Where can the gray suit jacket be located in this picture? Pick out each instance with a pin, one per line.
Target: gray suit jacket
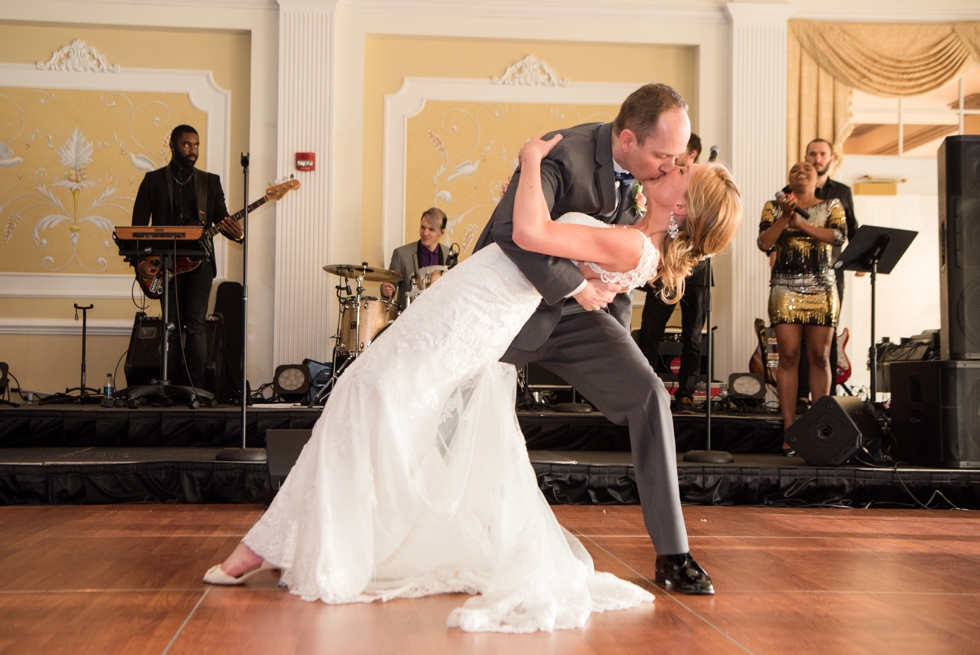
(405, 260)
(577, 176)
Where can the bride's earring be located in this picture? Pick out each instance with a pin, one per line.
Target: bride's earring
(672, 228)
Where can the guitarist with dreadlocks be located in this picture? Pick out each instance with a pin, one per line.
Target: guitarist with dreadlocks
(179, 194)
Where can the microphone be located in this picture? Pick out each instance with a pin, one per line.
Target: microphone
(801, 212)
(453, 258)
(713, 153)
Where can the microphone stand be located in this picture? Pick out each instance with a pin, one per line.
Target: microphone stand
(709, 456)
(244, 454)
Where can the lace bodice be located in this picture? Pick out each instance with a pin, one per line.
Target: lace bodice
(644, 271)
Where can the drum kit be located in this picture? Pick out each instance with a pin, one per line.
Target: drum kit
(364, 318)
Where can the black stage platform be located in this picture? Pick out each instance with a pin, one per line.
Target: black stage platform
(191, 475)
(90, 455)
(56, 426)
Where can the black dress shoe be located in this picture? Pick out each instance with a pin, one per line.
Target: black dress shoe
(683, 574)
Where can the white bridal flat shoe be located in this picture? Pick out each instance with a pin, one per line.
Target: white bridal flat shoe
(216, 576)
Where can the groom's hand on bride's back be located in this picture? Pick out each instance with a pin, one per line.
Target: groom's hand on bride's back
(597, 294)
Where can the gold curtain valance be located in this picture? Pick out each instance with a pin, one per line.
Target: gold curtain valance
(828, 60)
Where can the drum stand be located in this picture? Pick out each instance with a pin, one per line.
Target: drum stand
(338, 365)
(83, 391)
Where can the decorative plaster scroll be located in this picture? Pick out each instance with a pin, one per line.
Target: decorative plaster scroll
(203, 93)
(410, 99)
(78, 58)
(530, 72)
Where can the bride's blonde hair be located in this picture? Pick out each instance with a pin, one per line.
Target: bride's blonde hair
(714, 214)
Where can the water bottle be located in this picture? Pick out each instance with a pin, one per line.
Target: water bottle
(109, 386)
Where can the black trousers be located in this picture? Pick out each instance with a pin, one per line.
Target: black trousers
(189, 294)
(803, 388)
(653, 324)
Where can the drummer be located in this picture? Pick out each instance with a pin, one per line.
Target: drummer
(427, 251)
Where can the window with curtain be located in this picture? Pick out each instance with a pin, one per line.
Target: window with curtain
(914, 126)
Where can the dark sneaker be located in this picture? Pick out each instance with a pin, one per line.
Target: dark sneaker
(685, 406)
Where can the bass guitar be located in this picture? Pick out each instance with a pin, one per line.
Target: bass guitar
(152, 285)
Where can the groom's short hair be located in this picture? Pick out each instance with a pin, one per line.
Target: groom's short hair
(641, 111)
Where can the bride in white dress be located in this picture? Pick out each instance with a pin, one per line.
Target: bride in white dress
(416, 480)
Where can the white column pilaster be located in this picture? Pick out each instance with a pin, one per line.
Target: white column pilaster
(758, 160)
(303, 292)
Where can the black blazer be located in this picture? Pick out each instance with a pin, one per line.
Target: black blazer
(576, 176)
(154, 201)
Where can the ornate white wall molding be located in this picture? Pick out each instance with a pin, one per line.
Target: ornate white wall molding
(66, 326)
(78, 57)
(409, 100)
(530, 72)
(758, 154)
(303, 291)
(581, 10)
(203, 93)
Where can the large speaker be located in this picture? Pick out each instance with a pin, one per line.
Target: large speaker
(936, 413)
(833, 431)
(959, 246)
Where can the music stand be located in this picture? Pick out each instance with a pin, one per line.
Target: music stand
(874, 250)
(166, 243)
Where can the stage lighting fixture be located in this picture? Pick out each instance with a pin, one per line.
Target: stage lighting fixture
(745, 386)
(291, 382)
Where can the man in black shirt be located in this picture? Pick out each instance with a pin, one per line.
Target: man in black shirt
(178, 194)
(820, 154)
(694, 307)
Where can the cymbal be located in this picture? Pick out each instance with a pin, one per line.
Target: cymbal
(369, 273)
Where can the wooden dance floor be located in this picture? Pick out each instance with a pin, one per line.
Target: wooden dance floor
(127, 579)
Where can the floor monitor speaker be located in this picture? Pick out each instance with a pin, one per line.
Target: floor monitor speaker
(282, 449)
(833, 430)
(936, 413)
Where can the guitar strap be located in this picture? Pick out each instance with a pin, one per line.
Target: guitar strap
(201, 187)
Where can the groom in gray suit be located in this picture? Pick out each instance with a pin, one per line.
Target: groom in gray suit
(581, 329)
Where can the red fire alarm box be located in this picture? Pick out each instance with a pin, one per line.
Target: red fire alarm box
(305, 161)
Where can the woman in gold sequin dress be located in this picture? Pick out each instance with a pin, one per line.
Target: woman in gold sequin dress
(803, 289)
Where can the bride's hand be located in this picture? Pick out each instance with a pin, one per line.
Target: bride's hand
(537, 149)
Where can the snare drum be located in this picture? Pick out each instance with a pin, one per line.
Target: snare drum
(376, 315)
(426, 277)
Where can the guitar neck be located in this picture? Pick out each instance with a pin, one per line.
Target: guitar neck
(214, 229)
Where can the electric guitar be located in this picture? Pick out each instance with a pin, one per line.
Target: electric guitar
(764, 353)
(152, 286)
(843, 372)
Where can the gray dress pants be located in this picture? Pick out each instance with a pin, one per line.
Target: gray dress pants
(595, 354)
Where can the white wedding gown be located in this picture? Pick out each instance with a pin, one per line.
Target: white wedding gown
(416, 480)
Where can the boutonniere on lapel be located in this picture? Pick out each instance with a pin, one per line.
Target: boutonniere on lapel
(639, 200)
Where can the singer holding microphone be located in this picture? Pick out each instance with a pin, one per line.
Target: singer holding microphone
(427, 251)
(801, 230)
